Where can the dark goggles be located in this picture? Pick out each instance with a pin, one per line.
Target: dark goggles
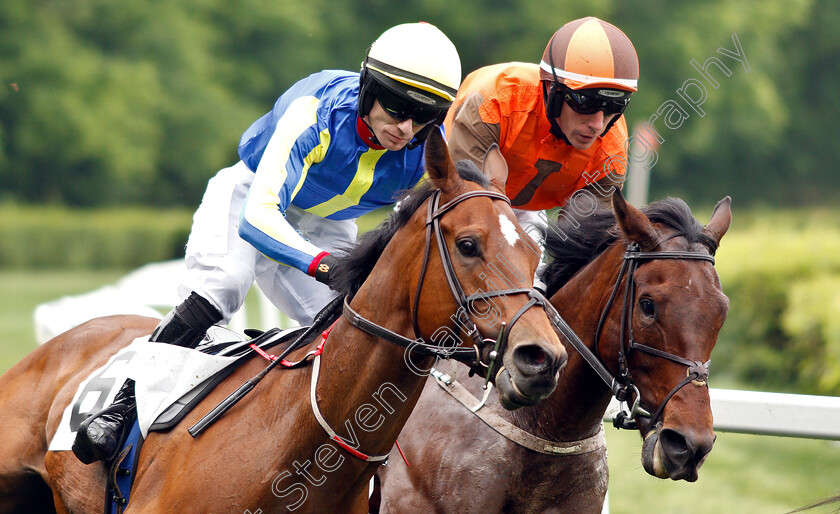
(583, 103)
(402, 109)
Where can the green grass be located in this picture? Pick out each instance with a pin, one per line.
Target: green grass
(22, 291)
(743, 474)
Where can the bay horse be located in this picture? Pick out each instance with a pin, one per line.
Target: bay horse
(271, 452)
(653, 352)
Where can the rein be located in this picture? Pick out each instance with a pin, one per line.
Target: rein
(423, 344)
(231, 400)
(622, 387)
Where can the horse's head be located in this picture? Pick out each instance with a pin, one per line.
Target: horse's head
(478, 283)
(675, 308)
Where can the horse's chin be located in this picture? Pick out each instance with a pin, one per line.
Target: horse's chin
(510, 395)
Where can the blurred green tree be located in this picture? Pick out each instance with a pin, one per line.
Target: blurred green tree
(123, 103)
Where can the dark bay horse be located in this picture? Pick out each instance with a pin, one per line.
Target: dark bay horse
(658, 342)
(419, 280)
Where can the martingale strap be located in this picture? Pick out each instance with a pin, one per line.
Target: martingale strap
(512, 432)
(303, 361)
(316, 366)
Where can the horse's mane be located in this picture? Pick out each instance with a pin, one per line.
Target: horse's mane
(352, 269)
(574, 240)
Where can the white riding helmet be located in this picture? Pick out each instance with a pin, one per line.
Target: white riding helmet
(417, 62)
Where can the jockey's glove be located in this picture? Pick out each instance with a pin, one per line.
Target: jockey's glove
(323, 268)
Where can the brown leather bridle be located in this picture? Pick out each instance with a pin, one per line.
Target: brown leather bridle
(622, 386)
(471, 355)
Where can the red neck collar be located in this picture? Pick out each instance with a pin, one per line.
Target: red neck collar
(367, 135)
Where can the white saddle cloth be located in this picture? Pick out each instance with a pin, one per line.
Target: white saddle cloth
(162, 374)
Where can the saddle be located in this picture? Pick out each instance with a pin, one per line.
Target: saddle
(218, 341)
(223, 342)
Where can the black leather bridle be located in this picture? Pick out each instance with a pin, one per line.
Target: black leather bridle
(622, 386)
(422, 344)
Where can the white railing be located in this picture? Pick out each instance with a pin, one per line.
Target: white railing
(793, 415)
(759, 413)
(151, 290)
(780, 414)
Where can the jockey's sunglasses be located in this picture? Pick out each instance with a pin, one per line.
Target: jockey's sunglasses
(591, 103)
(402, 109)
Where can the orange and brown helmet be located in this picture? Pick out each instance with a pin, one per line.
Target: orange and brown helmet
(590, 53)
(592, 57)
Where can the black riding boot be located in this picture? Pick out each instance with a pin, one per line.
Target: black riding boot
(186, 324)
(100, 435)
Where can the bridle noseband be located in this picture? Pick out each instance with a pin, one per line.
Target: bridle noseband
(422, 344)
(622, 386)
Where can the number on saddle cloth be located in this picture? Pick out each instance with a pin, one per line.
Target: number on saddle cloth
(98, 390)
(219, 341)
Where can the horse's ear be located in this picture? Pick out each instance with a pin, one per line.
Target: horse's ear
(721, 218)
(495, 167)
(439, 165)
(635, 226)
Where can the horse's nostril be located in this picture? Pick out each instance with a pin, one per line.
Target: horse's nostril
(675, 444)
(682, 456)
(531, 359)
(538, 357)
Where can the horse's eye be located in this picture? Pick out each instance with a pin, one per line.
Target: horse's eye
(647, 306)
(467, 247)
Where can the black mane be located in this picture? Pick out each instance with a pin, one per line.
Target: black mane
(352, 269)
(573, 241)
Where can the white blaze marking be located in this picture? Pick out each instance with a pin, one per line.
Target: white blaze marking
(508, 229)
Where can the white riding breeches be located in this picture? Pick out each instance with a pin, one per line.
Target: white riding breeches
(533, 223)
(221, 266)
